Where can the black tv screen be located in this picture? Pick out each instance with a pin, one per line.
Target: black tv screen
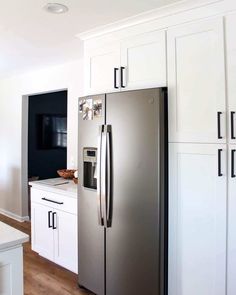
(52, 131)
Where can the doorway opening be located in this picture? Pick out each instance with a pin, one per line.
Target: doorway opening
(44, 139)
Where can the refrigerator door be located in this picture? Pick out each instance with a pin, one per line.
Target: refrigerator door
(135, 240)
(91, 234)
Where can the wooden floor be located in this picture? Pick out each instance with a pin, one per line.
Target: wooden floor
(42, 276)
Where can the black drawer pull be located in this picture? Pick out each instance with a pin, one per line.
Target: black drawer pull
(115, 78)
(219, 162)
(53, 220)
(49, 219)
(232, 125)
(56, 202)
(232, 163)
(122, 77)
(219, 124)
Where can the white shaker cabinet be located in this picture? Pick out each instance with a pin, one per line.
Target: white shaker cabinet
(102, 68)
(143, 58)
(196, 82)
(54, 227)
(42, 237)
(231, 74)
(131, 63)
(197, 219)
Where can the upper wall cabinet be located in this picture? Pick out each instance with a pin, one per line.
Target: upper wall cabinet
(231, 75)
(143, 59)
(134, 63)
(101, 69)
(196, 81)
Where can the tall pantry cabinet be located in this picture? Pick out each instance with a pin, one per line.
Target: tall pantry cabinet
(197, 164)
(230, 24)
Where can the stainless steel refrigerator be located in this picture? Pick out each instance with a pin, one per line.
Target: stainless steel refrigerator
(122, 196)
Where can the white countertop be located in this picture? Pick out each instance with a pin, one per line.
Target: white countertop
(68, 189)
(11, 237)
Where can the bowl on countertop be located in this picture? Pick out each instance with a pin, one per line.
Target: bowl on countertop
(66, 173)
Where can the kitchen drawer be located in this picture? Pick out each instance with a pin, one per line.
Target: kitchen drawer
(56, 201)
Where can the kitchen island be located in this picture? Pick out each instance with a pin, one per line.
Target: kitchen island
(11, 260)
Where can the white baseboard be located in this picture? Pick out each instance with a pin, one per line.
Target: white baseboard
(14, 216)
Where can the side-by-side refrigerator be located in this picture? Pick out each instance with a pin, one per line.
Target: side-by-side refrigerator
(123, 193)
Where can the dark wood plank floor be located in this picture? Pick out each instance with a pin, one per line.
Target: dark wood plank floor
(40, 275)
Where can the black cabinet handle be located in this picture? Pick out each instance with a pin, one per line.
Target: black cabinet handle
(232, 163)
(219, 124)
(122, 77)
(115, 78)
(54, 224)
(219, 162)
(52, 201)
(232, 125)
(49, 219)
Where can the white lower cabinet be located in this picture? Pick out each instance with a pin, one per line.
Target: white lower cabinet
(197, 219)
(54, 231)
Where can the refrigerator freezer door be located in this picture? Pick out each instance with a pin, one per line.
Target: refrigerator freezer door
(134, 254)
(91, 234)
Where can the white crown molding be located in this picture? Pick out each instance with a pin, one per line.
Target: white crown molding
(145, 17)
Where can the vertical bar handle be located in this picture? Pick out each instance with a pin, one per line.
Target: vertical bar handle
(220, 174)
(109, 175)
(99, 209)
(122, 77)
(54, 223)
(49, 219)
(219, 125)
(232, 163)
(115, 78)
(232, 124)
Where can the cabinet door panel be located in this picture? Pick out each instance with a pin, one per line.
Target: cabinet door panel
(196, 81)
(42, 235)
(231, 75)
(197, 220)
(144, 58)
(231, 282)
(65, 240)
(99, 69)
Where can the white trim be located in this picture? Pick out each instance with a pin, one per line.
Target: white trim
(145, 17)
(14, 216)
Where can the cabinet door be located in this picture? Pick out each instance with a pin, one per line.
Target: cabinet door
(42, 233)
(196, 82)
(66, 240)
(144, 60)
(231, 282)
(100, 64)
(197, 219)
(231, 75)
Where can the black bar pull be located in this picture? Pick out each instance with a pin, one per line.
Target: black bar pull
(122, 77)
(219, 125)
(115, 78)
(232, 163)
(232, 125)
(219, 162)
(54, 224)
(52, 201)
(49, 219)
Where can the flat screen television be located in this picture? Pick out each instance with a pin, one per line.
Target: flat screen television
(52, 131)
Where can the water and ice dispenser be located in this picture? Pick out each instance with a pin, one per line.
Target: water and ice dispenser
(90, 168)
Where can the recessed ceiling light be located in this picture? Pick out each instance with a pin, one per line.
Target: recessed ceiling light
(56, 8)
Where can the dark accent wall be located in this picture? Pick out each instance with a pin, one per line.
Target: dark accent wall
(45, 162)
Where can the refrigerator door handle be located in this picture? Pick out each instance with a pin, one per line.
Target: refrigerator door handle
(99, 207)
(103, 174)
(108, 174)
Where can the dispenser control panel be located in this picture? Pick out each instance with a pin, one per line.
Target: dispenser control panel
(90, 167)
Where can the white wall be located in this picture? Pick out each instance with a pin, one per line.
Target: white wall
(13, 92)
